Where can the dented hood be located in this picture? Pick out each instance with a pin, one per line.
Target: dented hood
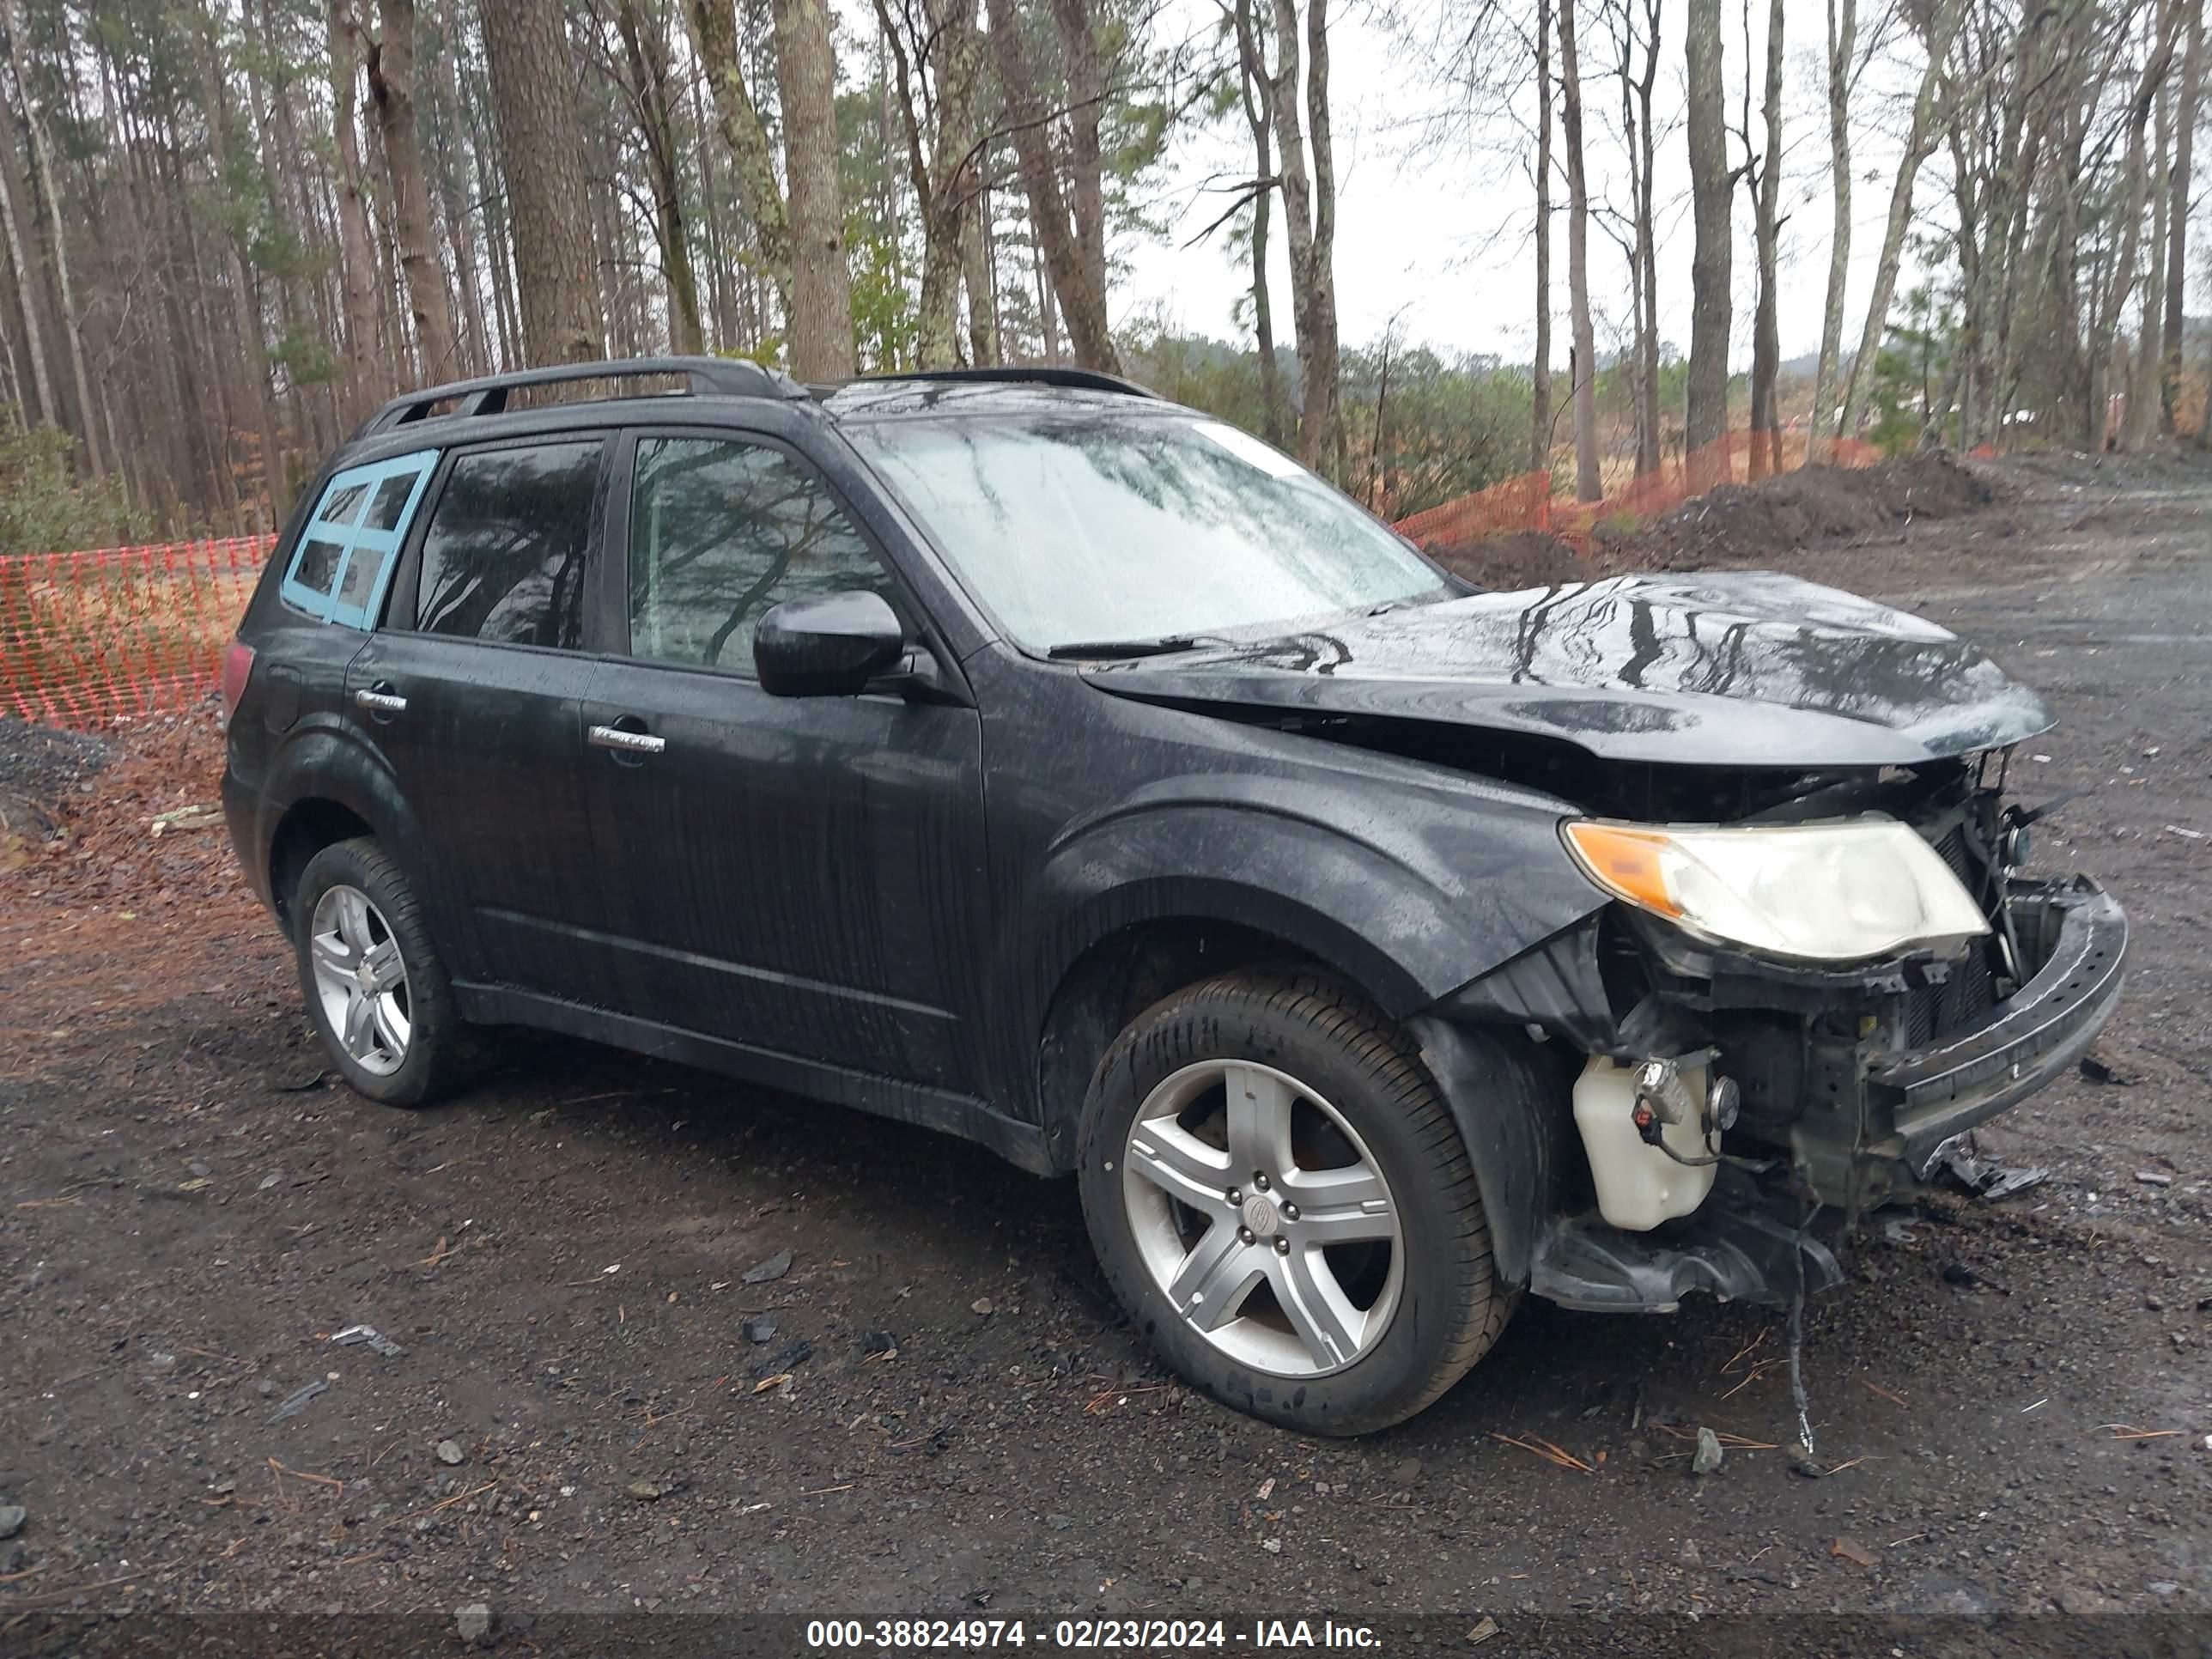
(1729, 669)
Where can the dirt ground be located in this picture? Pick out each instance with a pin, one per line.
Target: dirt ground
(2013, 1400)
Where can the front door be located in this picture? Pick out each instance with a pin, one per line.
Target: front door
(800, 876)
(473, 690)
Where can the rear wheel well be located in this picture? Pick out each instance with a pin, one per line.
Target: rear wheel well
(306, 827)
(1117, 979)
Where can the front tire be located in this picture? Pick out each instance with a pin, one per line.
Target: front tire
(376, 992)
(1281, 1201)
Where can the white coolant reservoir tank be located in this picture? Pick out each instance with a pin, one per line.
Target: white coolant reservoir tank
(1638, 1186)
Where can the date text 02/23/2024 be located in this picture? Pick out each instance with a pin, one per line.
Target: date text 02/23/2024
(1106, 1635)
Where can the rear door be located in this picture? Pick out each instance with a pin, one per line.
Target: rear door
(473, 691)
(800, 876)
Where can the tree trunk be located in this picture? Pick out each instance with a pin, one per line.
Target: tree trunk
(356, 260)
(714, 37)
(391, 62)
(2104, 338)
(647, 56)
(979, 276)
(1309, 215)
(1843, 45)
(1920, 139)
(1082, 302)
(1085, 92)
(1253, 87)
(43, 172)
(541, 150)
(1588, 486)
(19, 267)
(1540, 372)
(1765, 332)
(1705, 418)
(1643, 254)
(2148, 351)
(940, 164)
(2177, 226)
(820, 282)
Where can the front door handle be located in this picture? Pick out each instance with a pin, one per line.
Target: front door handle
(628, 743)
(382, 698)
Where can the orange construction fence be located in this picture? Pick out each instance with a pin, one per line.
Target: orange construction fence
(1529, 501)
(90, 637)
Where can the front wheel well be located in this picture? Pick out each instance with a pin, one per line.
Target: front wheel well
(1113, 982)
(306, 827)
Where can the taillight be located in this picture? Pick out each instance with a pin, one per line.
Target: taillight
(237, 669)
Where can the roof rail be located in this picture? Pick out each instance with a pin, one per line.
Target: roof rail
(1082, 380)
(718, 377)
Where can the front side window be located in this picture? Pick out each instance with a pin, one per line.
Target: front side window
(503, 559)
(344, 559)
(721, 533)
(1106, 527)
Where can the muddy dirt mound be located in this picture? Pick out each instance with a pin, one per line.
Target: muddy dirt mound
(40, 768)
(1518, 558)
(1749, 524)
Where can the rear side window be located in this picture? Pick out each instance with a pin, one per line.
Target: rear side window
(721, 533)
(503, 558)
(345, 556)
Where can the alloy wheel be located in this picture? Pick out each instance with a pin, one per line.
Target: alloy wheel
(1264, 1217)
(360, 980)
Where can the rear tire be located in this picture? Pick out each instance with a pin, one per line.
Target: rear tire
(376, 992)
(1344, 1315)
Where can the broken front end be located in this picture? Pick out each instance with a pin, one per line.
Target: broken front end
(1786, 1016)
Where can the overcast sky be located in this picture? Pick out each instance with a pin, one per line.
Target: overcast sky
(1439, 235)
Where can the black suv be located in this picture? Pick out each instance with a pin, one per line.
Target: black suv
(1017, 753)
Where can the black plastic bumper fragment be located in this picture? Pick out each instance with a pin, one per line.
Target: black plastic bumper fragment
(1934, 1093)
(1744, 1244)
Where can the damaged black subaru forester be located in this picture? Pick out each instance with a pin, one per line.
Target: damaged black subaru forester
(1016, 753)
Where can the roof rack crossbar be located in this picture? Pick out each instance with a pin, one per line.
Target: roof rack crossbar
(718, 377)
(1081, 379)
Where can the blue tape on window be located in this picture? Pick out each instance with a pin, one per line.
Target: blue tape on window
(350, 548)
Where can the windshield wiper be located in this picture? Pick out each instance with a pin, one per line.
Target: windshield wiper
(1106, 650)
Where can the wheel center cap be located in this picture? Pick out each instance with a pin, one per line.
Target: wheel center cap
(1261, 1216)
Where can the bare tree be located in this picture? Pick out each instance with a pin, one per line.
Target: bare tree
(1254, 87)
(1588, 486)
(1077, 283)
(534, 107)
(2177, 210)
(1309, 213)
(1639, 138)
(821, 283)
(1919, 141)
(42, 164)
(1843, 44)
(1540, 397)
(1767, 201)
(651, 89)
(714, 37)
(1705, 420)
(936, 60)
(389, 60)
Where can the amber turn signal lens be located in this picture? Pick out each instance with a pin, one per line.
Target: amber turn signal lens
(1627, 862)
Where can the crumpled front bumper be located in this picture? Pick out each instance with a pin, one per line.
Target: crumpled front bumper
(1866, 1114)
(1928, 1094)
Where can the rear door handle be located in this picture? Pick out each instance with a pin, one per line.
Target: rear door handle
(628, 743)
(384, 702)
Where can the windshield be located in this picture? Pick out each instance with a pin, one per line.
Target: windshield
(1106, 528)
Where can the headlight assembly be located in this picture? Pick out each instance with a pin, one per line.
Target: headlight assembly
(1815, 892)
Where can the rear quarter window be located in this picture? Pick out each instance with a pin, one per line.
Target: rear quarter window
(344, 560)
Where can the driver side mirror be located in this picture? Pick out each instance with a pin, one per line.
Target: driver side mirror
(829, 646)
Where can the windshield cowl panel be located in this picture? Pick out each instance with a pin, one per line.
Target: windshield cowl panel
(1101, 526)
